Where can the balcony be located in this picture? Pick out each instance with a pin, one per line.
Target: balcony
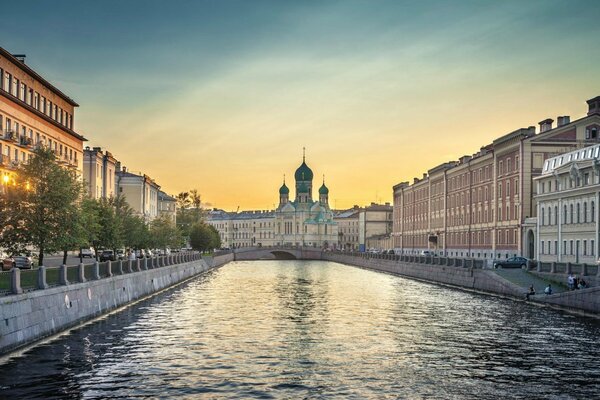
(24, 141)
(10, 136)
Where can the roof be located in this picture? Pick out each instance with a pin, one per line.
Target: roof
(590, 153)
(165, 197)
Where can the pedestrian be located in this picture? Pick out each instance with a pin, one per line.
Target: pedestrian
(530, 293)
(575, 282)
(131, 255)
(570, 282)
(548, 289)
(582, 283)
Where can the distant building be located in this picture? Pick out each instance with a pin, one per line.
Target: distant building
(140, 191)
(568, 194)
(301, 222)
(481, 206)
(33, 112)
(244, 229)
(167, 205)
(348, 228)
(99, 173)
(375, 224)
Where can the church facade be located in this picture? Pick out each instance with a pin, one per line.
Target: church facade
(303, 221)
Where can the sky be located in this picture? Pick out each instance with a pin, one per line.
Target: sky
(222, 96)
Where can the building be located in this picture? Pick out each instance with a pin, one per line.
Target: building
(301, 222)
(481, 205)
(568, 194)
(244, 229)
(99, 173)
(167, 206)
(375, 224)
(33, 113)
(347, 222)
(140, 192)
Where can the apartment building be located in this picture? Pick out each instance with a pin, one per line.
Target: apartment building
(99, 172)
(140, 191)
(568, 194)
(244, 229)
(479, 206)
(375, 224)
(348, 228)
(33, 112)
(167, 205)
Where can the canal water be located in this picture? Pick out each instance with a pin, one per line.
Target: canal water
(300, 329)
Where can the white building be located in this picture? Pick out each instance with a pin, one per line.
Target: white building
(568, 194)
(99, 173)
(140, 191)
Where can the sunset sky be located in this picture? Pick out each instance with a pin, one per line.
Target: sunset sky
(223, 95)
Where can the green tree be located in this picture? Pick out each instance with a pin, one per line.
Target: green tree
(164, 233)
(35, 211)
(204, 237)
(135, 232)
(110, 235)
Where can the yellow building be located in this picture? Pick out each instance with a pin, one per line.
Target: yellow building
(33, 113)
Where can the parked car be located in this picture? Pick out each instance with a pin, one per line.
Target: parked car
(140, 253)
(512, 262)
(159, 252)
(21, 262)
(83, 253)
(149, 253)
(427, 253)
(107, 255)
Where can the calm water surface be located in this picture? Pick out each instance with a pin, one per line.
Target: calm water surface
(291, 329)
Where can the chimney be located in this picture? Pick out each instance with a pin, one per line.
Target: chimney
(124, 169)
(594, 106)
(20, 57)
(546, 125)
(564, 120)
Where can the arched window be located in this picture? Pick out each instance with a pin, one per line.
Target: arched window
(543, 215)
(555, 215)
(585, 210)
(564, 221)
(593, 211)
(549, 215)
(571, 213)
(578, 213)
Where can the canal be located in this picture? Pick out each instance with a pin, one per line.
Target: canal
(303, 329)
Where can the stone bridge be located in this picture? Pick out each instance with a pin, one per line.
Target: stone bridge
(277, 253)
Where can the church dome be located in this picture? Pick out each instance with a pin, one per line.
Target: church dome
(323, 189)
(284, 189)
(303, 173)
(302, 188)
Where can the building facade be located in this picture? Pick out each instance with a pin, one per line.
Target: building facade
(140, 192)
(33, 113)
(375, 224)
(480, 205)
(167, 206)
(568, 194)
(299, 222)
(99, 173)
(348, 228)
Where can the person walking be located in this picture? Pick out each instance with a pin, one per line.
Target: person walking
(548, 289)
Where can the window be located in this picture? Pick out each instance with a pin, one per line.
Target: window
(585, 210)
(593, 211)
(556, 247)
(516, 186)
(585, 247)
(578, 213)
(564, 221)
(555, 215)
(570, 247)
(592, 247)
(564, 248)
(571, 212)
(542, 246)
(500, 168)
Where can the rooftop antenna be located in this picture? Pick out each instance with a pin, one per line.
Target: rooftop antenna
(323, 179)
(303, 154)
(284, 179)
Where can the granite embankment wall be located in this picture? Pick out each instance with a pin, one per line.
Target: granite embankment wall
(586, 301)
(31, 316)
(469, 278)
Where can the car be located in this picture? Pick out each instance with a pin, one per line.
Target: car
(512, 262)
(107, 255)
(17, 261)
(427, 253)
(120, 254)
(159, 252)
(140, 253)
(83, 253)
(148, 253)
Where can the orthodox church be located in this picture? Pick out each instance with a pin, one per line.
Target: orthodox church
(304, 221)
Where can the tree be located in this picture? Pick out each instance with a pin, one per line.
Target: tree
(164, 233)
(36, 210)
(189, 211)
(135, 232)
(204, 237)
(111, 230)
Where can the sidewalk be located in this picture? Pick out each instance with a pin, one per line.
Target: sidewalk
(525, 279)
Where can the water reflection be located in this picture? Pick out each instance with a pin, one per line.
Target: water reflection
(291, 329)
